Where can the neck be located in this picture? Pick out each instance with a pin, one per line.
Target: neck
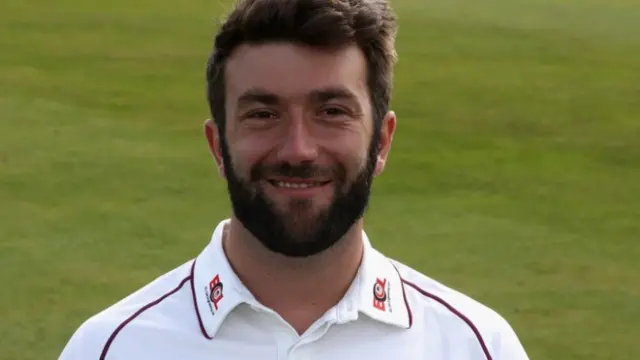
(300, 290)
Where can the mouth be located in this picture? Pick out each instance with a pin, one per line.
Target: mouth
(298, 183)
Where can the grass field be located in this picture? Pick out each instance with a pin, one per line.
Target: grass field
(514, 176)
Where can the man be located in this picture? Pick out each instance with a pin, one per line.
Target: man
(299, 93)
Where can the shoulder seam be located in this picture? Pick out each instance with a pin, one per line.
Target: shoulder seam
(148, 306)
(456, 312)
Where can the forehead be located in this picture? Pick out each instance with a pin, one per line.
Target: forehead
(290, 70)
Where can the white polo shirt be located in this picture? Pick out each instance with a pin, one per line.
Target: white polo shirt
(201, 311)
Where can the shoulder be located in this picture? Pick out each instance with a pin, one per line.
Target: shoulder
(150, 303)
(428, 293)
(460, 314)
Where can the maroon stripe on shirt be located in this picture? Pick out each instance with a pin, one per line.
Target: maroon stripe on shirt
(455, 311)
(195, 302)
(404, 295)
(107, 345)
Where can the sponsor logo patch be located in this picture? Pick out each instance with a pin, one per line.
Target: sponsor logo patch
(214, 293)
(381, 299)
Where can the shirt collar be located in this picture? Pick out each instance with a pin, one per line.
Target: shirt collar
(377, 290)
(216, 288)
(380, 293)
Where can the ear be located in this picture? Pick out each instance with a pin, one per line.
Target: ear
(212, 134)
(386, 138)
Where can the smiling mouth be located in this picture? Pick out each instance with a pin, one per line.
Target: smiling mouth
(299, 184)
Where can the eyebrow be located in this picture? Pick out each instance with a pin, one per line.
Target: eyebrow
(253, 96)
(333, 93)
(261, 96)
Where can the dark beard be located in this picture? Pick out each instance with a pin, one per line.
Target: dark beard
(260, 216)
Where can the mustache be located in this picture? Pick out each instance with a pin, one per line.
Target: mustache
(301, 171)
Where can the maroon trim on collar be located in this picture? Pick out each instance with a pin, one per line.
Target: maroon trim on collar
(404, 295)
(195, 301)
(455, 312)
(115, 333)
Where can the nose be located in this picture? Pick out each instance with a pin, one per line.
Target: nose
(299, 145)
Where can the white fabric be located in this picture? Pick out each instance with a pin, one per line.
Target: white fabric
(176, 317)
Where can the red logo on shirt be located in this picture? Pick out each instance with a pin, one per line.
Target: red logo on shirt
(380, 294)
(215, 291)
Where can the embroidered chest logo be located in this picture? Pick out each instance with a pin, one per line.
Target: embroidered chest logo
(381, 299)
(214, 293)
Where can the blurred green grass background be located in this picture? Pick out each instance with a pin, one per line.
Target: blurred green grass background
(514, 175)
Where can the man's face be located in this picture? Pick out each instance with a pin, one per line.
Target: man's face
(300, 149)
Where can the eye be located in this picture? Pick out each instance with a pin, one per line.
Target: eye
(333, 111)
(261, 114)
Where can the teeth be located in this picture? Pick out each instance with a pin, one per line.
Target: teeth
(296, 185)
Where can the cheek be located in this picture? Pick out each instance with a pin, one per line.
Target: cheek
(352, 155)
(245, 154)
